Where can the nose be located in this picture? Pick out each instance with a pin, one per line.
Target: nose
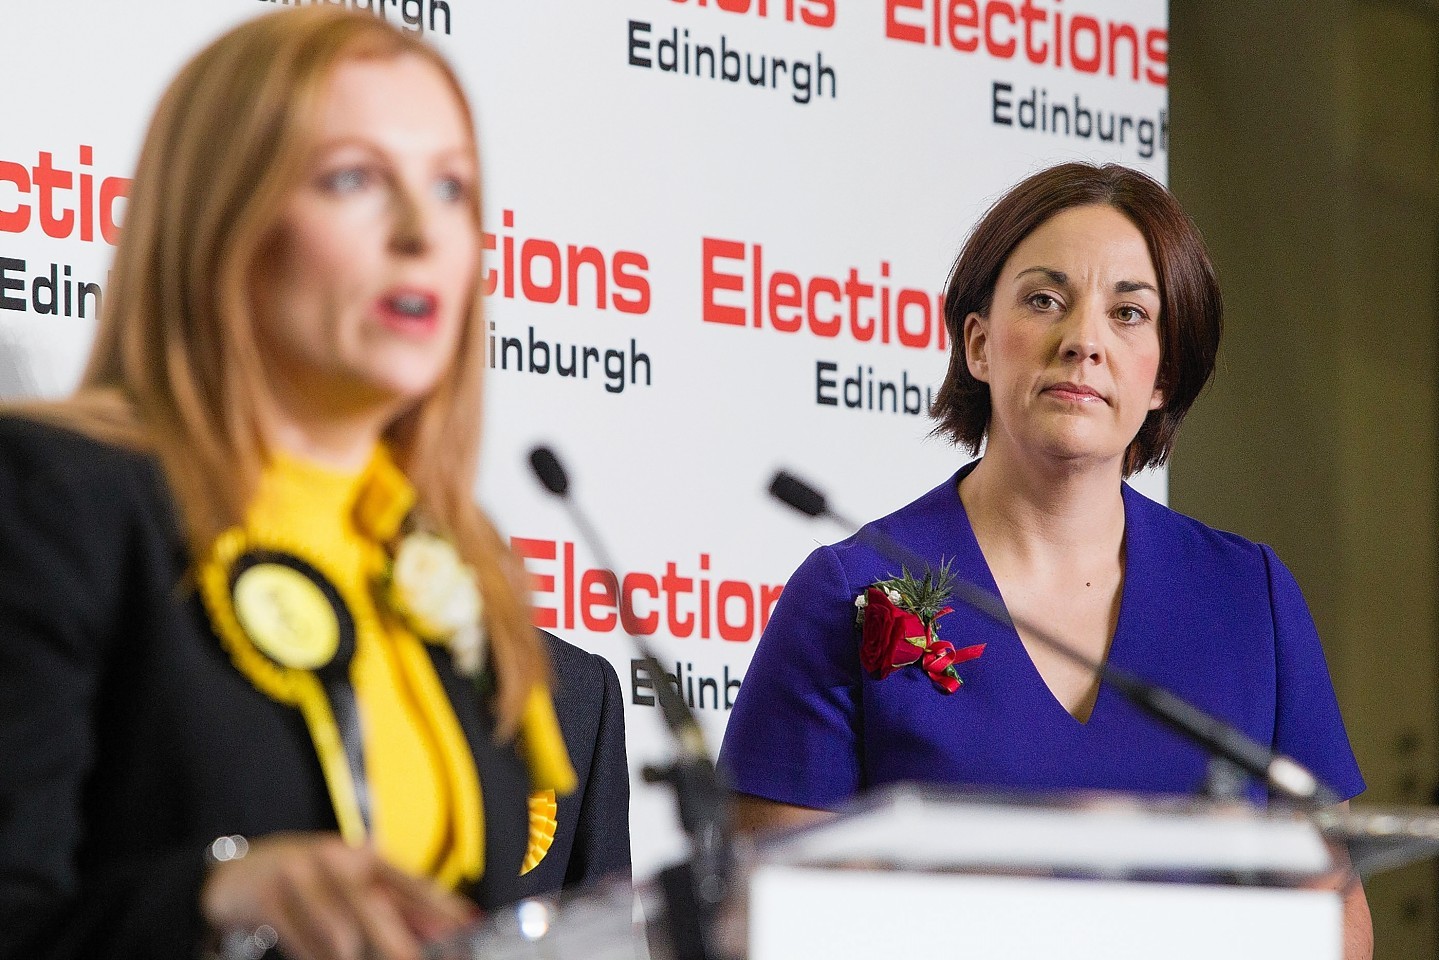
(1081, 335)
(410, 224)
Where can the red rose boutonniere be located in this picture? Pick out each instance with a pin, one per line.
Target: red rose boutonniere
(897, 618)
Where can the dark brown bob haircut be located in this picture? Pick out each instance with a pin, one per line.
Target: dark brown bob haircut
(1190, 313)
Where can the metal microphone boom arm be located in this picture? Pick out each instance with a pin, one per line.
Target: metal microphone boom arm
(694, 891)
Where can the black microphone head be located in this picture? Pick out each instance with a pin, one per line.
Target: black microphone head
(547, 468)
(794, 492)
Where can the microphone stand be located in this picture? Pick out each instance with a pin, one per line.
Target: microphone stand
(693, 890)
(1283, 775)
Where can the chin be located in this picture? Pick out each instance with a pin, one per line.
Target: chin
(404, 397)
(407, 378)
(1077, 446)
(390, 392)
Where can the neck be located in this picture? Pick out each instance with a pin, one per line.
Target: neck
(1031, 510)
(345, 444)
(335, 427)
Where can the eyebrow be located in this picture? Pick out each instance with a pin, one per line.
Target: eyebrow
(1062, 279)
(1055, 276)
(1133, 286)
(323, 147)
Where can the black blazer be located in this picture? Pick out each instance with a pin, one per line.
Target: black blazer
(592, 836)
(128, 741)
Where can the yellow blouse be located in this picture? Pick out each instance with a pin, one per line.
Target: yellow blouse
(424, 794)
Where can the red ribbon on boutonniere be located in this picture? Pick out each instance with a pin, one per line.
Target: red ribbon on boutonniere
(940, 660)
(897, 616)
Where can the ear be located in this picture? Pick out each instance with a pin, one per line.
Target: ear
(1156, 400)
(976, 346)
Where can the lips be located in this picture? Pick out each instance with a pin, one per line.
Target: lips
(408, 310)
(1074, 392)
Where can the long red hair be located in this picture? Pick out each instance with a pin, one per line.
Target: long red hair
(176, 369)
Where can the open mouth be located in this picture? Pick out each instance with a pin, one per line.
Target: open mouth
(409, 311)
(416, 306)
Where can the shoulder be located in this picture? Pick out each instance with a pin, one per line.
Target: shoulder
(938, 505)
(65, 494)
(590, 711)
(568, 660)
(38, 447)
(86, 533)
(923, 528)
(1161, 533)
(585, 687)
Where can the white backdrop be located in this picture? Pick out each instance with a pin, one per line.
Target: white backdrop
(761, 245)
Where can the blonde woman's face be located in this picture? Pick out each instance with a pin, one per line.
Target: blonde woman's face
(362, 294)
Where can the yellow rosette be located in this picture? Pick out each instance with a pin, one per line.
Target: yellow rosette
(287, 629)
(544, 813)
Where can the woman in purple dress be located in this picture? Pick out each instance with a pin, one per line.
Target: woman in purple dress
(1085, 317)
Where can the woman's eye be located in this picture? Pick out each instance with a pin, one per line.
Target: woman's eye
(1043, 301)
(1131, 315)
(451, 189)
(347, 180)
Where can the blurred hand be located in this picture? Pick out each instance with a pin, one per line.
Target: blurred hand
(330, 901)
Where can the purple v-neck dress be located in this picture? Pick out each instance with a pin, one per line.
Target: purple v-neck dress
(1208, 615)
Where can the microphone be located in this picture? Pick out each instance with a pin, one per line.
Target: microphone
(1283, 775)
(794, 492)
(693, 891)
(547, 468)
(678, 717)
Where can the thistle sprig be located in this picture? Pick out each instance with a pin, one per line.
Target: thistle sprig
(922, 596)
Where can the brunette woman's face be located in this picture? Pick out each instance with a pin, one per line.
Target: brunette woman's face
(362, 295)
(1070, 347)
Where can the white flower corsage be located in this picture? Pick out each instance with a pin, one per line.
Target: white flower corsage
(437, 597)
